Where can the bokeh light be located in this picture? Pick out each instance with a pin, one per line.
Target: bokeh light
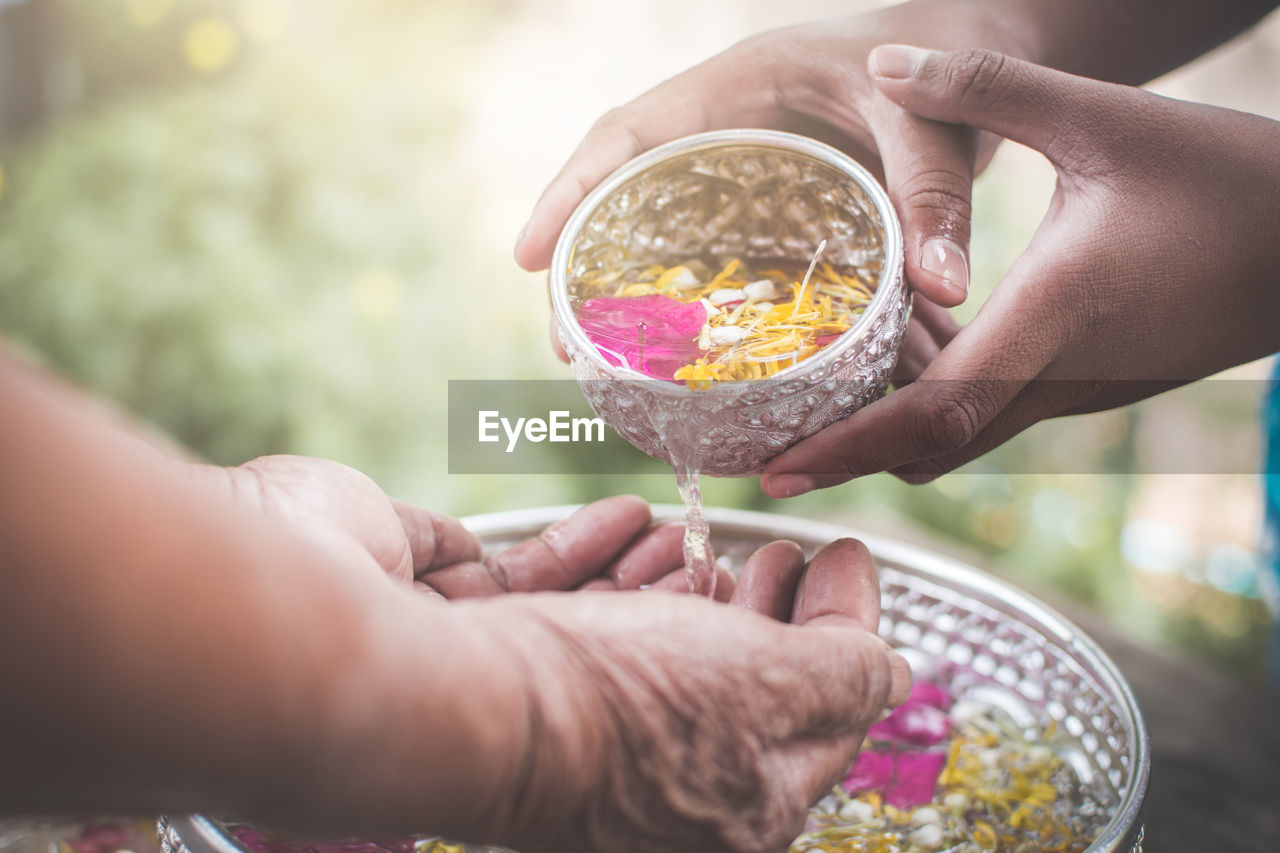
(210, 43)
(148, 13)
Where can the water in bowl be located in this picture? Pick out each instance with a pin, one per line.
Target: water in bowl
(701, 321)
(704, 321)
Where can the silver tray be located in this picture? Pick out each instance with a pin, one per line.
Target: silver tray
(937, 610)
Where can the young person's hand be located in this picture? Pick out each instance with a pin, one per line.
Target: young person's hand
(812, 79)
(1155, 265)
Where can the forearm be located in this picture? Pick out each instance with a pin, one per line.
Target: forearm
(1126, 41)
(165, 650)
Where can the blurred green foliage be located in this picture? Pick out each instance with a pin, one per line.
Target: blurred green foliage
(238, 263)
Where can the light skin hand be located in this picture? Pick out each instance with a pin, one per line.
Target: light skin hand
(606, 545)
(1162, 219)
(336, 507)
(733, 723)
(177, 650)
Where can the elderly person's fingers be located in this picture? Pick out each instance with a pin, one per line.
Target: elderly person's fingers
(652, 555)
(741, 720)
(851, 678)
(814, 765)
(769, 579)
(435, 539)
(560, 558)
(840, 586)
(678, 581)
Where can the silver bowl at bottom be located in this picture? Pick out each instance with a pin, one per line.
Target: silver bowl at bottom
(939, 612)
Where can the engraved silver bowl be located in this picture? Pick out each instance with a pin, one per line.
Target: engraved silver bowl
(749, 194)
(1017, 653)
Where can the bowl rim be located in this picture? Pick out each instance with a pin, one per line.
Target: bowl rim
(735, 137)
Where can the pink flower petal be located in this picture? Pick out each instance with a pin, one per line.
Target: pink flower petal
(921, 720)
(259, 842)
(872, 770)
(921, 725)
(928, 693)
(102, 837)
(917, 779)
(655, 334)
(904, 779)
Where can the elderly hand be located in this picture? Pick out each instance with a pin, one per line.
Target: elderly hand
(1155, 265)
(609, 544)
(343, 511)
(663, 722)
(812, 79)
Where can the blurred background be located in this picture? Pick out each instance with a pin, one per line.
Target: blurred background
(271, 226)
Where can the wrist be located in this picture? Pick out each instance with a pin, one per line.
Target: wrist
(421, 728)
(1017, 28)
(1012, 27)
(554, 757)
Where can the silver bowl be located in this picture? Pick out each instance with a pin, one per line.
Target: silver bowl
(938, 611)
(750, 194)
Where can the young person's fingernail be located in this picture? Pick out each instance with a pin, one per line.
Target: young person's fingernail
(943, 258)
(896, 61)
(789, 485)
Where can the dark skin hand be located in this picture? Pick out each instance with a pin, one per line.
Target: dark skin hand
(1164, 210)
(814, 79)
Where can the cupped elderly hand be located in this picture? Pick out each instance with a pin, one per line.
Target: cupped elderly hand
(635, 722)
(664, 722)
(345, 512)
(609, 544)
(1155, 265)
(812, 79)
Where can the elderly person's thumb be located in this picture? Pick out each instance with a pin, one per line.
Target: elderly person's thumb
(1051, 111)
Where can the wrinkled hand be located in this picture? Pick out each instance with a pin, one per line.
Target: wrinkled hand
(609, 544)
(1155, 265)
(343, 511)
(812, 79)
(666, 722)
(606, 545)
